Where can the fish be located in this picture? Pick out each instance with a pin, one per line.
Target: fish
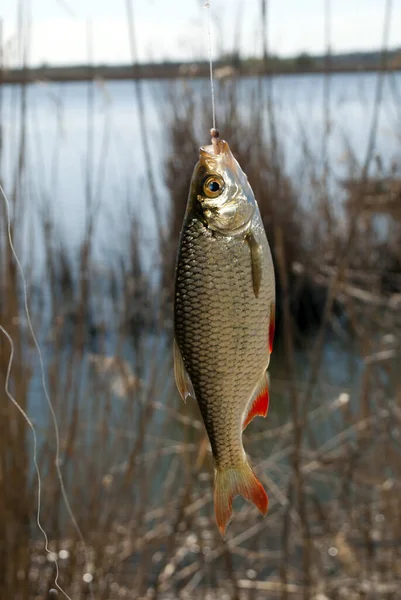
(224, 315)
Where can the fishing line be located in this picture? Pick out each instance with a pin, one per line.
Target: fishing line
(209, 29)
(51, 554)
(47, 396)
(67, 8)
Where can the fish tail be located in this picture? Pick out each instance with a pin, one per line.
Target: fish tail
(236, 481)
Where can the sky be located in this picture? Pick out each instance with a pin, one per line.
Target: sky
(177, 29)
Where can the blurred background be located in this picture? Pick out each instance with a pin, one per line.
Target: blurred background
(103, 106)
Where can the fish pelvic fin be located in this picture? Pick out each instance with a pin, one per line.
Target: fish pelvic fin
(236, 481)
(259, 403)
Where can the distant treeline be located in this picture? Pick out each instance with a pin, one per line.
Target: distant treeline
(226, 66)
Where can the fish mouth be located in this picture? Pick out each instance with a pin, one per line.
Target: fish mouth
(217, 154)
(217, 148)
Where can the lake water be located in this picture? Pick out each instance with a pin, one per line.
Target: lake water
(59, 153)
(64, 140)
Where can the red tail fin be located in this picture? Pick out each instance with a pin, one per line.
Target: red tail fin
(237, 481)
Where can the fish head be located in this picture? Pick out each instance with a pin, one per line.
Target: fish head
(222, 190)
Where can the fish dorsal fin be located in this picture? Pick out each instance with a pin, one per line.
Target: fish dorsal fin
(256, 262)
(259, 403)
(182, 378)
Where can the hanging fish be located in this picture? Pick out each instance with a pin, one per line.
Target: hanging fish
(224, 318)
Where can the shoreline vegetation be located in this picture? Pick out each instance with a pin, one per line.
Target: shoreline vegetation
(227, 66)
(134, 460)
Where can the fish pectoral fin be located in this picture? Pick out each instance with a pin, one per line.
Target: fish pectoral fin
(259, 403)
(272, 325)
(236, 481)
(256, 262)
(182, 378)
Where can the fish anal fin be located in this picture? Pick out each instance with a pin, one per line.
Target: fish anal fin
(256, 262)
(236, 481)
(272, 325)
(259, 403)
(182, 378)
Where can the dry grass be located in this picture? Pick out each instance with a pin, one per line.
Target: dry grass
(132, 455)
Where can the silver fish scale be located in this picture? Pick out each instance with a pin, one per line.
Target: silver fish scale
(221, 328)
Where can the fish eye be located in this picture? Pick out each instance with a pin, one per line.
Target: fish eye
(213, 186)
